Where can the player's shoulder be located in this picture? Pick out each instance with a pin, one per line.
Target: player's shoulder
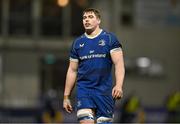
(78, 39)
(110, 34)
(112, 37)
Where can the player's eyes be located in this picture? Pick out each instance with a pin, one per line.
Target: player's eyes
(91, 16)
(84, 17)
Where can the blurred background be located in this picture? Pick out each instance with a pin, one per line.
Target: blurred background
(35, 39)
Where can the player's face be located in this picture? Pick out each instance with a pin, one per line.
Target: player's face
(90, 21)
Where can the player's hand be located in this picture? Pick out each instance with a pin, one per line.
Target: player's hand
(67, 104)
(117, 92)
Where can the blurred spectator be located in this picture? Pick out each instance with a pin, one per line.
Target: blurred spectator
(173, 107)
(132, 111)
(51, 113)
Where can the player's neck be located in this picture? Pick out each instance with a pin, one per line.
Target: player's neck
(94, 33)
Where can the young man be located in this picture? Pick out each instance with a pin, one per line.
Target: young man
(91, 59)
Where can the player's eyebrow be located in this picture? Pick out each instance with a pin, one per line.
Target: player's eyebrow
(90, 15)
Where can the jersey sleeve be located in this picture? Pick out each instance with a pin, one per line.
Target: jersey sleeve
(115, 44)
(73, 53)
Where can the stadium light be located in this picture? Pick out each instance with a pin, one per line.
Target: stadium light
(62, 3)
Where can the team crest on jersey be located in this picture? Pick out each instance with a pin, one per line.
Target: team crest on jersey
(101, 43)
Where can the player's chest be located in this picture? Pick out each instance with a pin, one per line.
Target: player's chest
(98, 46)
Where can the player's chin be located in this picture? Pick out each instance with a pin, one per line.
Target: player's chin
(89, 28)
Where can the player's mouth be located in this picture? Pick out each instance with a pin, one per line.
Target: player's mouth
(87, 24)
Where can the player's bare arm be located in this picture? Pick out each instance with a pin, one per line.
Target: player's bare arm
(70, 82)
(117, 58)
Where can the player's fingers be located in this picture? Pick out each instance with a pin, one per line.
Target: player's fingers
(117, 94)
(69, 109)
(67, 106)
(113, 92)
(120, 95)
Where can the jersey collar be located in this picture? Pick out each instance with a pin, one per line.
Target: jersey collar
(91, 37)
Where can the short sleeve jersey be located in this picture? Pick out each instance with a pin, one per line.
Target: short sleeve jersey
(94, 61)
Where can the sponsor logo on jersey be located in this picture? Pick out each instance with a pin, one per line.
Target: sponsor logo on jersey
(81, 45)
(91, 56)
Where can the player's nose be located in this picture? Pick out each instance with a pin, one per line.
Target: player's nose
(87, 20)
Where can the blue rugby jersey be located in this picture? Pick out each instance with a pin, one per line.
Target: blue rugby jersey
(94, 60)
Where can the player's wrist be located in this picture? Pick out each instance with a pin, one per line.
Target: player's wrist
(66, 97)
(119, 85)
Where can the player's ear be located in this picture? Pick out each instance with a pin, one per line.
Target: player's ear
(99, 21)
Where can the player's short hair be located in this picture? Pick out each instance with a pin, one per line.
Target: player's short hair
(95, 11)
